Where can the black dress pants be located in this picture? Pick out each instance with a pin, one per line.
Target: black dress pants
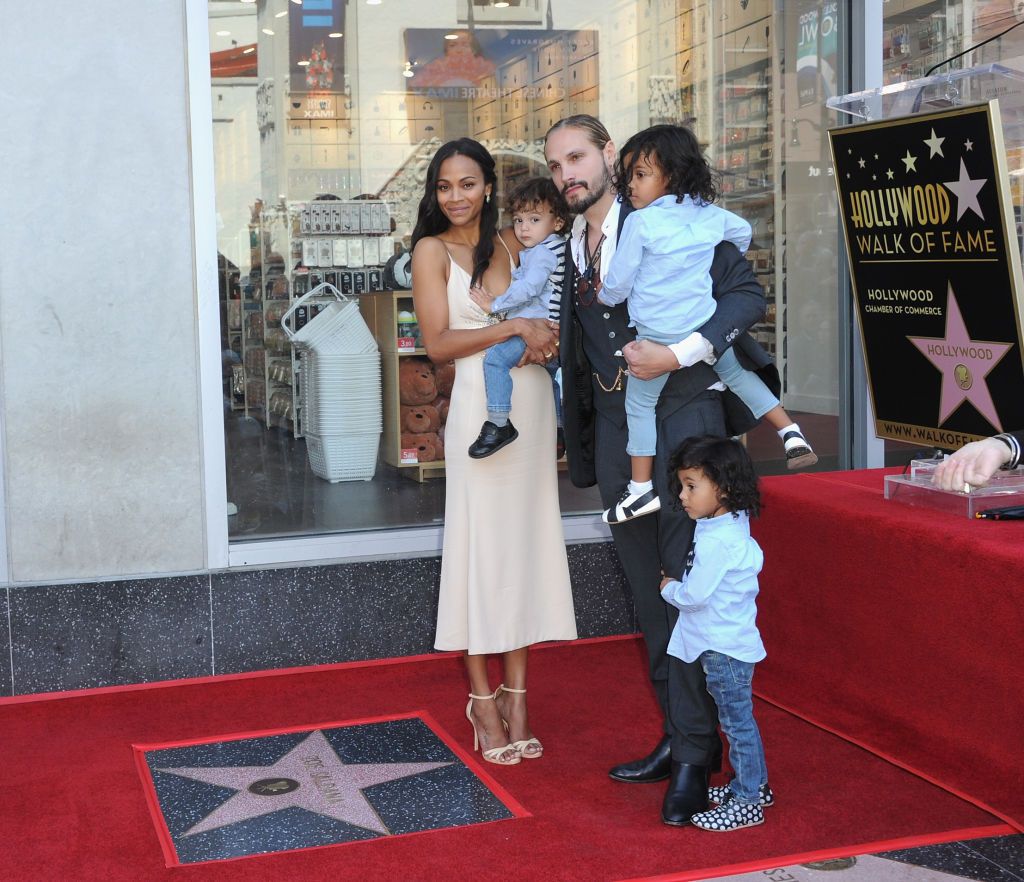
(649, 544)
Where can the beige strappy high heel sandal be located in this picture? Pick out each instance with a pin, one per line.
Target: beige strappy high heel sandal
(529, 748)
(492, 754)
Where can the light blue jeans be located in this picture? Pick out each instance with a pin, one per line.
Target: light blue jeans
(730, 684)
(747, 385)
(498, 363)
(642, 396)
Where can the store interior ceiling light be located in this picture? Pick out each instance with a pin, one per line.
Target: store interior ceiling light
(268, 32)
(297, 2)
(501, 4)
(451, 36)
(336, 35)
(281, 14)
(373, 2)
(302, 63)
(223, 33)
(248, 51)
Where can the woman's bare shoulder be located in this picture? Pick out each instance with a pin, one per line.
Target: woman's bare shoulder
(430, 246)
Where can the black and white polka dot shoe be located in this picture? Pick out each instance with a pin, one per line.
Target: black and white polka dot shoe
(718, 795)
(730, 815)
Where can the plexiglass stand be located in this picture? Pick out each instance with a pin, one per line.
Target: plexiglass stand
(915, 488)
(941, 91)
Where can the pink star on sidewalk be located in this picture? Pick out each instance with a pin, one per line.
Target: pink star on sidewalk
(964, 363)
(310, 776)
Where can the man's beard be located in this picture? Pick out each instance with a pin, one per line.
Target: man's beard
(592, 195)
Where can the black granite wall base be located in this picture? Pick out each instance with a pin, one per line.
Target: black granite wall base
(6, 687)
(66, 637)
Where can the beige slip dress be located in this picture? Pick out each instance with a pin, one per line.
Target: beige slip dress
(504, 574)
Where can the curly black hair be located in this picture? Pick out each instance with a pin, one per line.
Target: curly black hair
(539, 191)
(676, 152)
(726, 464)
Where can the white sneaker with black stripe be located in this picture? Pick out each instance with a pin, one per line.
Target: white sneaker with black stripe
(799, 454)
(718, 795)
(730, 815)
(632, 506)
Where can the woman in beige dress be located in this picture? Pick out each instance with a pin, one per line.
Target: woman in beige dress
(504, 575)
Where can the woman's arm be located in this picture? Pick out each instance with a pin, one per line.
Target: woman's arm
(430, 295)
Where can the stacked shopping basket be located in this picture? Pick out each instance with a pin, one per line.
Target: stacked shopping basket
(340, 394)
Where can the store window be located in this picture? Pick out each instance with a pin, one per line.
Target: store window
(326, 114)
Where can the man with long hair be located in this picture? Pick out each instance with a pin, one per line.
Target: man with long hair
(597, 350)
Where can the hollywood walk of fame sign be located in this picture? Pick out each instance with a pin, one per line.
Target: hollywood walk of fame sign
(935, 267)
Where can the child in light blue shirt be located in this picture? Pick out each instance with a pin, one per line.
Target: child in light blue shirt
(716, 484)
(539, 218)
(661, 268)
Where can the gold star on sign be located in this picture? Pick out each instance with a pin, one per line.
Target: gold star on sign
(934, 145)
(909, 161)
(860, 162)
(968, 144)
(889, 173)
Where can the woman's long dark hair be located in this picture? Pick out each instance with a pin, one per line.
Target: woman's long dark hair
(677, 152)
(431, 221)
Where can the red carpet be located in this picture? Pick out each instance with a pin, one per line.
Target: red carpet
(899, 627)
(78, 810)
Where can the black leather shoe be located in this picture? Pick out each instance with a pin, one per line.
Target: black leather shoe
(687, 794)
(656, 766)
(491, 439)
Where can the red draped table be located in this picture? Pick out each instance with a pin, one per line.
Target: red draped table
(899, 628)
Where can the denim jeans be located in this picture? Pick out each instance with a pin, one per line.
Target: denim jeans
(498, 362)
(747, 385)
(729, 682)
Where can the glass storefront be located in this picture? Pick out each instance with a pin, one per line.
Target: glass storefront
(326, 114)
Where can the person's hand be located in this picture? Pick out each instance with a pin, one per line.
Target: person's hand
(664, 581)
(482, 298)
(973, 465)
(541, 338)
(647, 359)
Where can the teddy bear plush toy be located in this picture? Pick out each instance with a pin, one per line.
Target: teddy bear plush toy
(444, 377)
(416, 382)
(420, 419)
(426, 445)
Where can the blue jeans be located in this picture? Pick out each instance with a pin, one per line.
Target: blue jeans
(729, 682)
(747, 385)
(498, 362)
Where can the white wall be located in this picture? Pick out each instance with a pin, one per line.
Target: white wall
(103, 458)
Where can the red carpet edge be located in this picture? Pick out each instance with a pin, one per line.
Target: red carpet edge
(280, 672)
(829, 853)
(1013, 825)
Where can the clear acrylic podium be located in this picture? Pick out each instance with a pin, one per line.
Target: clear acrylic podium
(927, 95)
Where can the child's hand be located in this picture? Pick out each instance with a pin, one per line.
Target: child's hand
(482, 297)
(664, 581)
